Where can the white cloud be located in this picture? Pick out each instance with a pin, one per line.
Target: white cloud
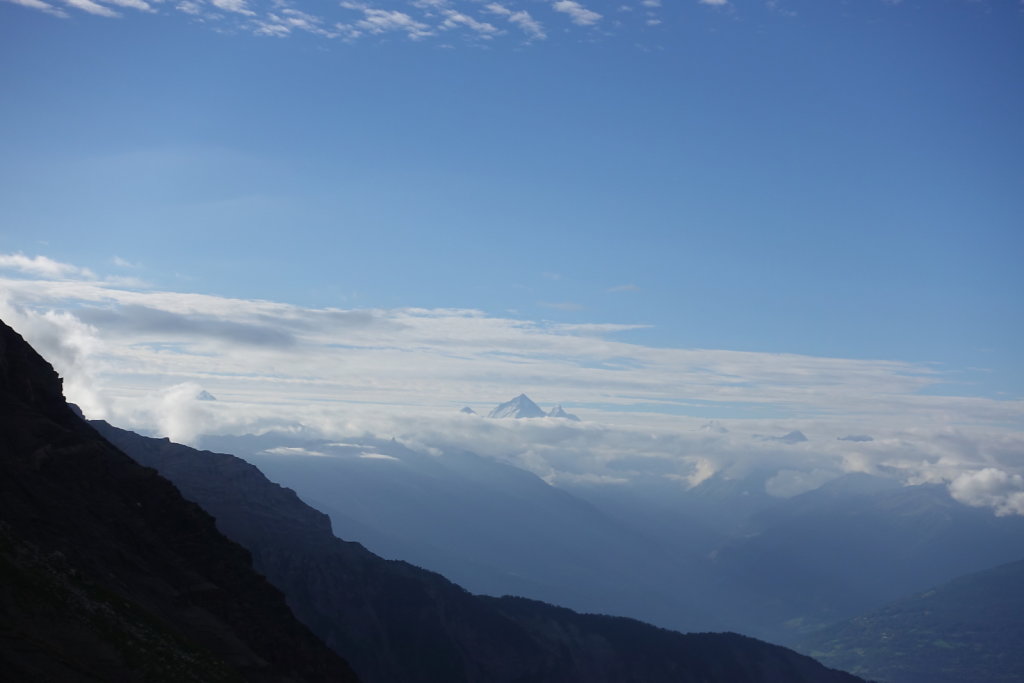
(92, 8)
(294, 450)
(716, 3)
(453, 19)
(990, 487)
(41, 266)
(579, 14)
(133, 4)
(139, 358)
(237, 6)
(123, 263)
(522, 19)
(377, 21)
(42, 7)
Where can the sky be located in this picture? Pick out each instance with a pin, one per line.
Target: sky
(780, 215)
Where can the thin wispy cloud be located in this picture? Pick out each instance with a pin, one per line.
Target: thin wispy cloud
(91, 7)
(580, 15)
(418, 20)
(237, 6)
(41, 6)
(520, 18)
(41, 266)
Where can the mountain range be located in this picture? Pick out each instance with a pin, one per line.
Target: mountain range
(110, 574)
(723, 555)
(522, 407)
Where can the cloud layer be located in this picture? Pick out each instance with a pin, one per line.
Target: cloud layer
(417, 20)
(142, 358)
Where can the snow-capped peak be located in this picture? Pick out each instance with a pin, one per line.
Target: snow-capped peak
(558, 411)
(520, 406)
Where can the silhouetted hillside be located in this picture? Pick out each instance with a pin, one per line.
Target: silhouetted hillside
(107, 573)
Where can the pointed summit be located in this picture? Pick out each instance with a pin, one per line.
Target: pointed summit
(467, 410)
(520, 406)
(558, 411)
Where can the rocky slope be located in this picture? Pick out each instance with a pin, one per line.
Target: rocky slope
(107, 573)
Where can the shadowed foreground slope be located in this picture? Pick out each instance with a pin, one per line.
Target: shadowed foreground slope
(107, 573)
(397, 623)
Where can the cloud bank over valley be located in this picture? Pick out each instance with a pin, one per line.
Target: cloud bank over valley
(151, 360)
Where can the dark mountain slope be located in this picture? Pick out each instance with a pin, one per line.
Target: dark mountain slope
(970, 629)
(396, 622)
(107, 573)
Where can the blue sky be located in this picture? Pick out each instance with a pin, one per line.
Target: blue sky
(781, 215)
(824, 178)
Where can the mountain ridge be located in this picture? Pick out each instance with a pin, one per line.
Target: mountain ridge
(108, 573)
(371, 609)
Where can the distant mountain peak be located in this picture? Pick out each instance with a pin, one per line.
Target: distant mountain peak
(793, 437)
(467, 410)
(205, 395)
(519, 407)
(558, 411)
(713, 427)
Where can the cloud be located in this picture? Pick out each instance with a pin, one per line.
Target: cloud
(92, 8)
(42, 266)
(522, 19)
(133, 4)
(140, 357)
(453, 19)
(624, 288)
(715, 3)
(295, 450)
(377, 21)
(237, 6)
(122, 263)
(990, 487)
(580, 15)
(42, 7)
(189, 7)
(133, 319)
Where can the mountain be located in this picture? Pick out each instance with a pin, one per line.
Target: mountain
(558, 411)
(490, 527)
(520, 406)
(107, 573)
(969, 629)
(396, 622)
(855, 543)
(467, 410)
